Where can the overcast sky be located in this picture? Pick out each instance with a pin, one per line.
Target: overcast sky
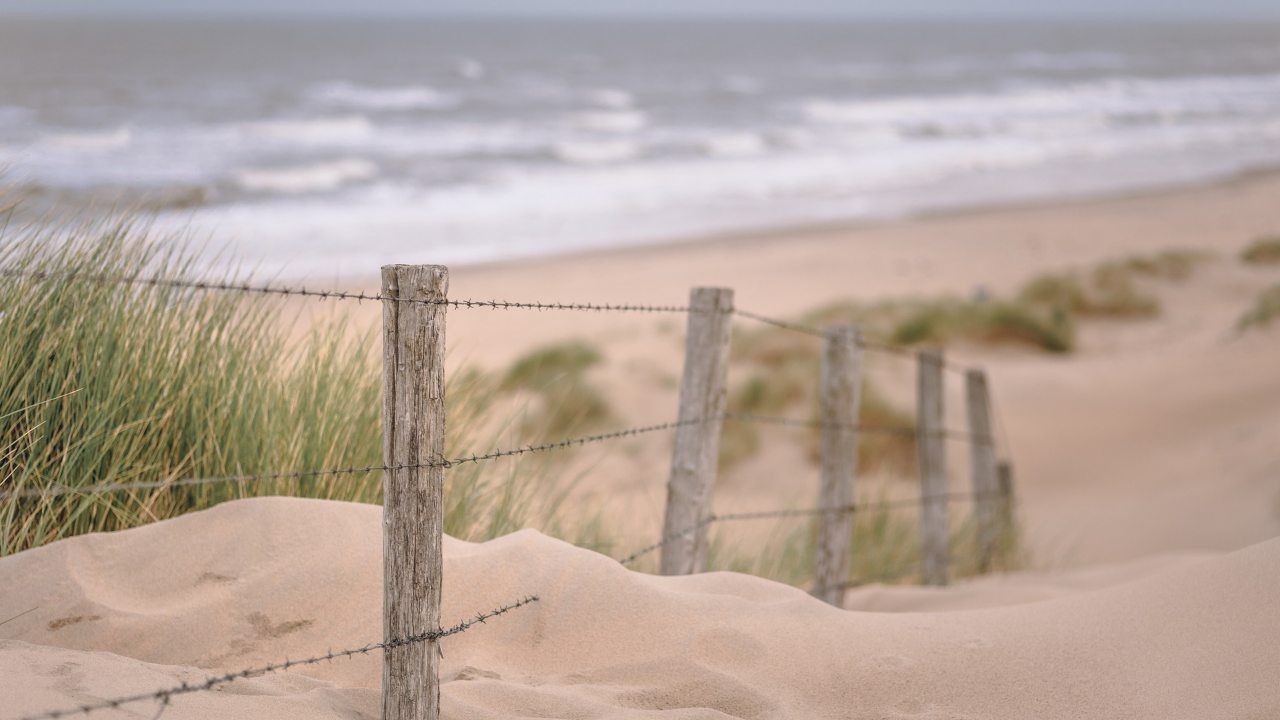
(845, 8)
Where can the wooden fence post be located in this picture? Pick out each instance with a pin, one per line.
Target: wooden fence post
(695, 455)
(982, 462)
(1004, 488)
(839, 403)
(932, 458)
(412, 518)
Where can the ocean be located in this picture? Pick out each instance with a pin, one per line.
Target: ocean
(332, 146)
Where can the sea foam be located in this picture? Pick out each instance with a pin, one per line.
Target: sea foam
(312, 177)
(414, 97)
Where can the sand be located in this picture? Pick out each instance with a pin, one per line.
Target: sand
(1147, 480)
(255, 581)
(1155, 436)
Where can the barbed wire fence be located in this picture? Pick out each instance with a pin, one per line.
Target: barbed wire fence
(414, 309)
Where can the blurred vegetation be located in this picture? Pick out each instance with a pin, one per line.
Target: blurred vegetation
(1263, 251)
(111, 382)
(782, 379)
(566, 400)
(1265, 310)
(883, 548)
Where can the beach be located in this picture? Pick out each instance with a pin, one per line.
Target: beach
(256, 581)
(997, 437)
(1146, 496)
(1155, 435)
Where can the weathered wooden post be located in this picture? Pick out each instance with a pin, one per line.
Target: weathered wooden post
(982, 462)
(412, 519)
(932, 459)
(697, 443)
(1004, 488)
(839, 403)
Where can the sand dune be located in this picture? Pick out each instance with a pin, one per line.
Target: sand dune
(255, 581)
(1156, 436)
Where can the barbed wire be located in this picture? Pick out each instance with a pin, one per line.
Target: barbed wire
(784, 324)
(163, 696)
(573, 442)
(493, 304)
(801, 512)
(443, 463)
(227, 286)
(873, 345)
(56, 490)
(906, 432)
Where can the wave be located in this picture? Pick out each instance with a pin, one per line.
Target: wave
(1084, 106)
(318, 131)
(612, 98)
(90, 141)
(1081, 60)
(412, 97)
(618, 121)
(314, 177)
(741, 144)
(596, 152)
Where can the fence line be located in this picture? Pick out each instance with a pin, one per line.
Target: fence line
(413, 433)
(493, 304)
(165, 694)
(226, 286)
(443, 463)
(801, 512)
(958, 435)
(58, 490)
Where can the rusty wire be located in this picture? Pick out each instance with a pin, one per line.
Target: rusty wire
(164, 695)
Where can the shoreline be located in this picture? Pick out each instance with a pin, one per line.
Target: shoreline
(768, 234)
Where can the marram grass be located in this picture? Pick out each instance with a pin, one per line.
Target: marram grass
(112, 382)
(115, 382)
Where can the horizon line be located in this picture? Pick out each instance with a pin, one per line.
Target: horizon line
(756, 16)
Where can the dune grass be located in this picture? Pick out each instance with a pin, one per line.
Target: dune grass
(1176, 264)
(1265, 310)
(1110, 289)
(1263, 251)
(115, 382)
(883, 548)
(992, 322)
(1108, 292)
(566, 400)
(111, 382)
(781, 379)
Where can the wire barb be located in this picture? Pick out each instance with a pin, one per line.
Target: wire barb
(164, 695)
(228, 286)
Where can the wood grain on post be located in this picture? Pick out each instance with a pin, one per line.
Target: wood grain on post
(932, 458)
(412, 520)
(695, 455)
(982, 461)
(841, 388)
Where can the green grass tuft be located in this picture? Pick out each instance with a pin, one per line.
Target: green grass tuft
(991, 322)
(1263, 251)
(1177, 264)
(1265, 310)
